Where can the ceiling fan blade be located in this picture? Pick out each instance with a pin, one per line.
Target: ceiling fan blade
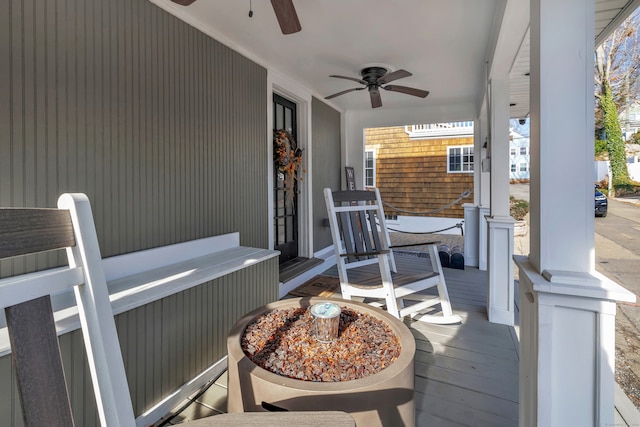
(376, 99)
(287, 16)
(343, 92)
(351, 78)
(183, 2)
(407, 90)
(398, 74)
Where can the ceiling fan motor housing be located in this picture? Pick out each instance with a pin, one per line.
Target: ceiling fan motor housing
(372, 74)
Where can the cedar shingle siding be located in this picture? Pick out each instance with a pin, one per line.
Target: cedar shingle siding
(412, 174)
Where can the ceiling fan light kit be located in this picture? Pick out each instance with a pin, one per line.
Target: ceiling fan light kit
(374, 78)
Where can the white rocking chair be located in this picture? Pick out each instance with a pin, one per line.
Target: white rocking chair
(360, 238)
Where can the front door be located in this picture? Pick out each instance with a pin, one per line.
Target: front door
(285, 192)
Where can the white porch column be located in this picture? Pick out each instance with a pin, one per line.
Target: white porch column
(483, 237)
(481, 182)
(471, 234)
(500, 296)
(471, 221)
(567, 310)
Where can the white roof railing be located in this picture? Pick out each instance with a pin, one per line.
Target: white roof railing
(439, 130)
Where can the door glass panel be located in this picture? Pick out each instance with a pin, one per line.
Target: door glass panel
(288, 122)
(285, 199)
(281, 236)
(279, 122)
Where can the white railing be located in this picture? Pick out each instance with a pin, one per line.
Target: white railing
(440, 130)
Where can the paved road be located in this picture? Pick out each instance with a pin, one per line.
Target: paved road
(617, 243)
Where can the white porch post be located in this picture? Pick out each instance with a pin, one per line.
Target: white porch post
(483, 238)
(482, 185)
(567, 310)
(471, 220)
(500, 296)
(471, 234)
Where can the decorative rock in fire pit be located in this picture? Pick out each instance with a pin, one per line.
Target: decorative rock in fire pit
(367, 371)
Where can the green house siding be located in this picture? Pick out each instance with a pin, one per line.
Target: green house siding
(326, 166)
(164, 129)
(160, 125)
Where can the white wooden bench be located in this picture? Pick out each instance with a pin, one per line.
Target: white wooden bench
(132, 280)
(137, 278)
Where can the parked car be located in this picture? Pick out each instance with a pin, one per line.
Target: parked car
(601, 203)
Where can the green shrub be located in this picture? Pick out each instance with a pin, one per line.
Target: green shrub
(601, 151)
(635, 138)
(603, 187)
(627, 189)
(518, 209)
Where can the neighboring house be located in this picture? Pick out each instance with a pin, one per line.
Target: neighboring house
(633, 161)
(519, 156)
(629, 118)
(420, 169)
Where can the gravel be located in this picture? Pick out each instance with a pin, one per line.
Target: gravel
(628, 352)
(280, 341)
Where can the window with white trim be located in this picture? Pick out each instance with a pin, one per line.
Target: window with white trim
(523, 151)
(524, 167)
(513, 151)
(460, 159)
(513, 167)
(369, 168)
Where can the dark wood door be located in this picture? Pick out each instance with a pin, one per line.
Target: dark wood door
(286, 198)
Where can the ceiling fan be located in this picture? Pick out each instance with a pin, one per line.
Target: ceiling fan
(284, 10)
(373, 78)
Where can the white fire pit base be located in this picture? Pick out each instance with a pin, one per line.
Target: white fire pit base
(383, 399)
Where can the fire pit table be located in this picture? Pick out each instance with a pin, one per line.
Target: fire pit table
(384, 398)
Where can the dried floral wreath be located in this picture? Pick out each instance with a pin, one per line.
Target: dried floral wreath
(288, 159)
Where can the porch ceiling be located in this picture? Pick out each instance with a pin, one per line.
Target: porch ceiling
(445, 44)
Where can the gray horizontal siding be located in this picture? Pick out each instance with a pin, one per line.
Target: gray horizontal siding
(164, 343)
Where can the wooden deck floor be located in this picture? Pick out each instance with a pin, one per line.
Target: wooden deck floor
(466, 374)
